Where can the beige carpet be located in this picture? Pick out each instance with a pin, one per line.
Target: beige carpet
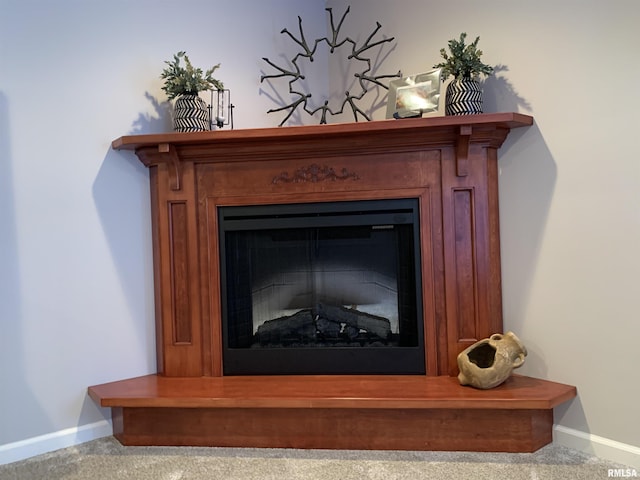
(106, 459)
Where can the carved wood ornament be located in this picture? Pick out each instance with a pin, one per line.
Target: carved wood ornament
(315, 173)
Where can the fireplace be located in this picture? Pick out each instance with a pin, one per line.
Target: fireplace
(321, 288)
(344, 257)
(278, 194)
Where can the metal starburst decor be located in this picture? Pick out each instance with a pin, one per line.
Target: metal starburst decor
(356, 52)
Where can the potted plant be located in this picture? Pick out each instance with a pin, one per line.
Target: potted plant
(191, 113)
(464, 95)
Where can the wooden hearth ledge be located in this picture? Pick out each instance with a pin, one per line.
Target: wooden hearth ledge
(450, 165)
(333, 412)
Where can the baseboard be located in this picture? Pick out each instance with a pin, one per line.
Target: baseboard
(605, 448)
(13, 452)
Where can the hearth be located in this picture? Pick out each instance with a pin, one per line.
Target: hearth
(322, 288)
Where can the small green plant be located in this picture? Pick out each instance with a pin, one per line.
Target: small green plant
(464, 61)
(187, 80)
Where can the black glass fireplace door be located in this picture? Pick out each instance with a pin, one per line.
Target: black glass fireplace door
(325, 288)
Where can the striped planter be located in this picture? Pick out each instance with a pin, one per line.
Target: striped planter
(190, 114)
(464, 97)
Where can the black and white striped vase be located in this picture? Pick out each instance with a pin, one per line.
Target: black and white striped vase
(190, 114)
(464, 97)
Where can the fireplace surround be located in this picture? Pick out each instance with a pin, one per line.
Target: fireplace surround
(447, 165)
(446, 168)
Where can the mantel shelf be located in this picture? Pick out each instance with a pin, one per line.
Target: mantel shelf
(442, 125)
(326, 141)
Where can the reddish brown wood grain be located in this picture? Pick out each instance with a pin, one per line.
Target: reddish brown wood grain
(353, 429)
(329, 391)
(443, 126)
(346, 412)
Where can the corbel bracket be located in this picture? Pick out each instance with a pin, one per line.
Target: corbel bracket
(170, 156)
(164, 153)
(462, 151)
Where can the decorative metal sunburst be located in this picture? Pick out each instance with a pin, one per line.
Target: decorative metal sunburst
(365, 77)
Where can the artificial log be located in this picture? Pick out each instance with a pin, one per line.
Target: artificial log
(296, 327)
(356, 319)
(325, 322)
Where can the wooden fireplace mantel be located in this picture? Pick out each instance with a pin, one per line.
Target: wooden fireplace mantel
(449, 164)
(331, 140)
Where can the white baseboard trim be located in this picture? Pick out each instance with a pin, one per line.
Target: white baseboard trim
(13, 452)
(601, 447)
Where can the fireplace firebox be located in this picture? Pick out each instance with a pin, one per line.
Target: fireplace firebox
(321, 288)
